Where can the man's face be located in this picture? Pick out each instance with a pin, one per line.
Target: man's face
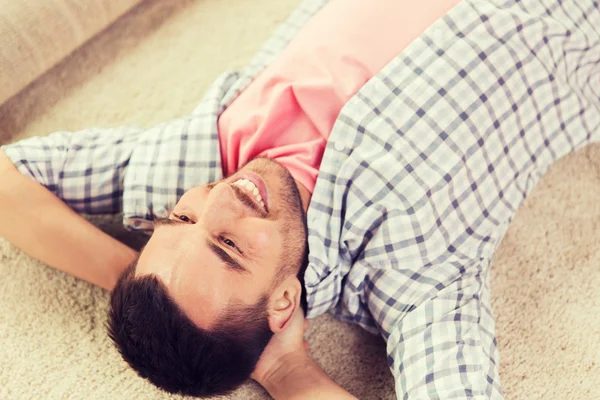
(224, 243)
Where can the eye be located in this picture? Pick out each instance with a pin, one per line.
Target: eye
(182, 218)
(229, 242)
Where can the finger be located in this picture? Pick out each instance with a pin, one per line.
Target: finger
(306, 346)
(306, 323)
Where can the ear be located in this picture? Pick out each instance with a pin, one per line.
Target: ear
(283, 302)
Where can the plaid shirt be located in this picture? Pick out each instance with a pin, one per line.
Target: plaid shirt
(424, 169)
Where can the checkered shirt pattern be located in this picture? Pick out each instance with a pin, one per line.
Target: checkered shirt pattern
(423, 171)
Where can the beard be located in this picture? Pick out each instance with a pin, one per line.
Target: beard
(289, 210)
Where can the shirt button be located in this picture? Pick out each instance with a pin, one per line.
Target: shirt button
(339, 146)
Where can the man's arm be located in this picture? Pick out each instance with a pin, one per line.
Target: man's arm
(40, 224)
(439, 330)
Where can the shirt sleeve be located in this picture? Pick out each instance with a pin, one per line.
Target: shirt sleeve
(85, 169)
(139, 172)
(439, 330)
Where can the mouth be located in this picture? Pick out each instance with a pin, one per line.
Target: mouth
(254, 186)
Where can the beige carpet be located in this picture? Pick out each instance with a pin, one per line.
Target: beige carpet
(154, 64)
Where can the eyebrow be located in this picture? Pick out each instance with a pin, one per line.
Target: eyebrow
(166, 222)
(225, 257)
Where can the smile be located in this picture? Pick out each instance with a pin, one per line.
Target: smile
(252, 190)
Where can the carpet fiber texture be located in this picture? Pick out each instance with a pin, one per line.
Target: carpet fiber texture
(154, 64)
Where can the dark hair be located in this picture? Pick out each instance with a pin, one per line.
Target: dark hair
(163, 345)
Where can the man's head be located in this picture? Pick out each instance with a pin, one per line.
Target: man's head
(214, 282)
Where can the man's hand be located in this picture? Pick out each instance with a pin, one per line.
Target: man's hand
(287, 372)
(284, 347)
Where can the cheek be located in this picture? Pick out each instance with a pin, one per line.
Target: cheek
(262, 240)
(266, 241)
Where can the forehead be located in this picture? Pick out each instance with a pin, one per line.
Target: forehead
(192, 274)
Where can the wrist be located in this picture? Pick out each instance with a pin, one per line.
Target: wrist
(285, 367)
(299, 377)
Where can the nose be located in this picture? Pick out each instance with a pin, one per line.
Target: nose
(237, 200)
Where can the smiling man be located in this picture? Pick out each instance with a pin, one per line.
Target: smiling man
(217, 278)
(367, 163)
(247, 237)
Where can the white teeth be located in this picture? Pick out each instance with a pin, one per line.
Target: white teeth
(252, 189)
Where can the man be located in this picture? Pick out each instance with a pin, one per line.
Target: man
(426, 127)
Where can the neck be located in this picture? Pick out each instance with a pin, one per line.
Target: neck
(304, 195)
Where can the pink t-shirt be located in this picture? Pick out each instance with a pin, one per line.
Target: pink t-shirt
(288, 111)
